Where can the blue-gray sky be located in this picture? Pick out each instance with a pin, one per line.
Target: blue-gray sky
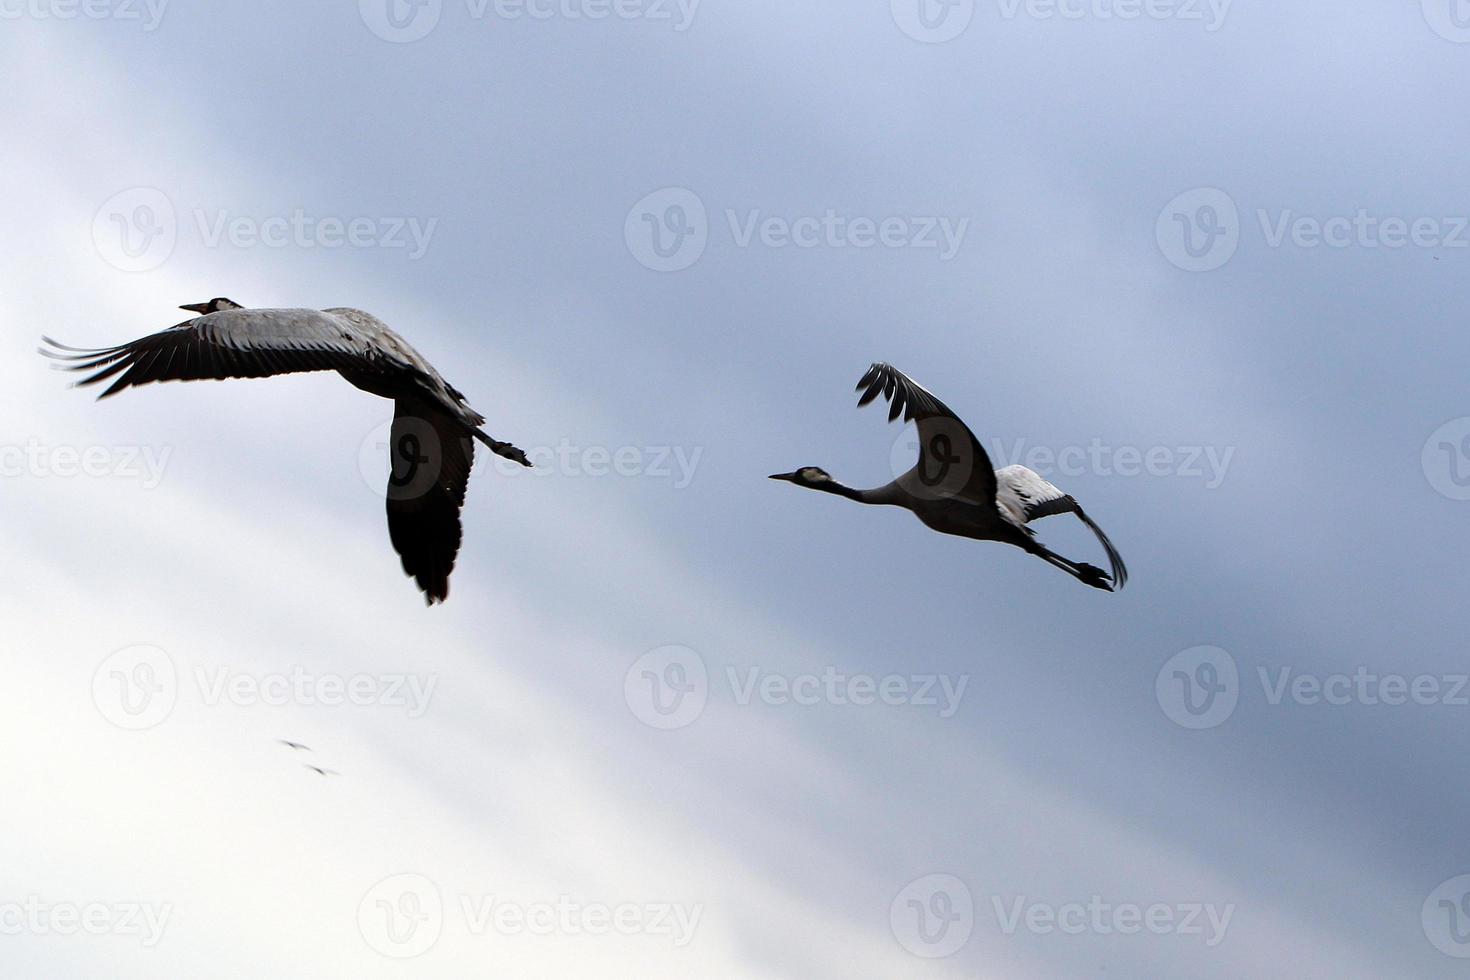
(1201, 263)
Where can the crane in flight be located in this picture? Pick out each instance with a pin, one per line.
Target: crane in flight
(431, 446)
(953, 488)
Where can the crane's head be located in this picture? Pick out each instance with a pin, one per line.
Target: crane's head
(812, 477)
(213, 306)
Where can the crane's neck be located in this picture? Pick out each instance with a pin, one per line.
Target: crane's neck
(832, 486)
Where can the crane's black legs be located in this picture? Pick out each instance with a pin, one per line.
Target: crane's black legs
(502, 448)
(1081, 571)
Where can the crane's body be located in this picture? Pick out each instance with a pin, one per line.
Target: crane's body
(433, 424)
(952, 488)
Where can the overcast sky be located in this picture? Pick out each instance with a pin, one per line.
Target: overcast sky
(1200, 263)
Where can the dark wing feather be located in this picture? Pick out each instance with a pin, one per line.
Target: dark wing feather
(432, 455)
(227, 344)
(952, 463)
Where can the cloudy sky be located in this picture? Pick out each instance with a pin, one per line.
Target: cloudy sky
(1201, 263)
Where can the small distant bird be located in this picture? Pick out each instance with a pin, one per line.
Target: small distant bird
(294, 746)
(953, 488)
(433, 425)
(320, 771)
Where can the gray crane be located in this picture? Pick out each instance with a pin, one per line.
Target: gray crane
(953, 488)
(433, 426)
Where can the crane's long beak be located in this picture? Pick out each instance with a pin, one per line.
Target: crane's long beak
(195, 307)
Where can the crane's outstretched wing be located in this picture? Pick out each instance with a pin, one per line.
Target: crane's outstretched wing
(226, 344)
(1027, 497)
(952, 463)
(431, 454)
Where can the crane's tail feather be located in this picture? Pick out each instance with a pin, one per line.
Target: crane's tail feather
(1120, 570)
